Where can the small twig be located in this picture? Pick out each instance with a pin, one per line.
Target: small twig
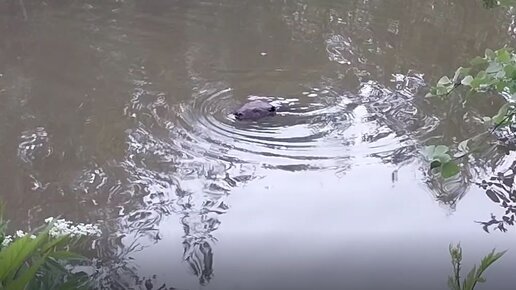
(456, 255)
(505, 119)
(455, 85)
(497, 125)
(457, 274)
(469, 153)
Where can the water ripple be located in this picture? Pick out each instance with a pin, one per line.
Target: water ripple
(301, 131)
(34, 145)
(399, 122)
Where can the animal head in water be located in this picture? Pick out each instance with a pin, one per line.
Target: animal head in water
(255, 110)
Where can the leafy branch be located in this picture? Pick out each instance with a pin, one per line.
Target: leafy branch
(475, 275)
(496, 73)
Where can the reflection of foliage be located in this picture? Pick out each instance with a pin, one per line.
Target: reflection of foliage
(199, 256)
(501, 189)
(449, 191)
(441, 160)
(120, 274)
(475, 275)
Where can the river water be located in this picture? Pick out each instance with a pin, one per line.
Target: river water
(119, 113)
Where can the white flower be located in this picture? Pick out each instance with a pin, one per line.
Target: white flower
(59, 228)
(7, 240)
(63, 227)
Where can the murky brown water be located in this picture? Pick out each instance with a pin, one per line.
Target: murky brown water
(119, 113)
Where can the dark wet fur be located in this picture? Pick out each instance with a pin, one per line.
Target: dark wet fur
(255, 110)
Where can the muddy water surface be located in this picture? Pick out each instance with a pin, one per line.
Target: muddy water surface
(119, 113)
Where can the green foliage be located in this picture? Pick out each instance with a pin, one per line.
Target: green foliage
(39, 262)
(475, 275)
(494, 73)
(441, 161)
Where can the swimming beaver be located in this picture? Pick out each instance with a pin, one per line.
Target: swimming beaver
(255, 110)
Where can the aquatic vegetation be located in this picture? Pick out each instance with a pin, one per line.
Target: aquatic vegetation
(495, 73)
(492, 77)
(475, 275)
(43, 260)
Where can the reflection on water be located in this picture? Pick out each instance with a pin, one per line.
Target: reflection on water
(118, 112)
(501, 190)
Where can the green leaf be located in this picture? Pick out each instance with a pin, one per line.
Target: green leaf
(437, 153)
(502, 112)
(467, 80)
(444, 81)
(503, 56)
(490, 54)
(428, 151)
(66, 255)
(440, 154)
(490, 259)
(494, 67)
(461, 71)
(449, 169)
(440, 90)
(479, 80)
(29, 274)
(510, 71)
(463, 146)
(14, 256)
(56, 242)
(469, 281)
(443, 158)
(511, 84)
(501, 86)
(500, 74)
(440, 149)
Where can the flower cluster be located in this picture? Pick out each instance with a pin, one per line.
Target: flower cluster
(62, 227)
(58, 228)
(9, 239)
